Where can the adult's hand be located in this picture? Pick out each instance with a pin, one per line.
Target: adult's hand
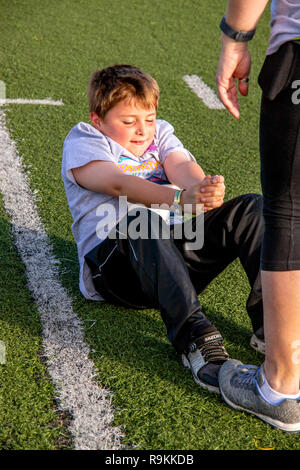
(234, 63)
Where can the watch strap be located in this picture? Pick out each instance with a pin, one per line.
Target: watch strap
(239, 36)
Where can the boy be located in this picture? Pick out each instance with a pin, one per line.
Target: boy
(127, 154)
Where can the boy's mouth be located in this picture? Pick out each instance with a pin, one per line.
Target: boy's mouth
(138, 142)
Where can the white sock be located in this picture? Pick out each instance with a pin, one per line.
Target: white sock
(270, 395)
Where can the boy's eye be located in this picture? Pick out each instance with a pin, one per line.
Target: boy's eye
(131, 123)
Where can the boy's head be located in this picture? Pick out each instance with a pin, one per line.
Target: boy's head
(111, 85)
(123, 102)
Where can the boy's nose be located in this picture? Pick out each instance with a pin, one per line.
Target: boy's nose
(141, 129)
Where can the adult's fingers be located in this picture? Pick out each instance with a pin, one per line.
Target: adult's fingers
(234, 63)
(228, 96)
(244, 86)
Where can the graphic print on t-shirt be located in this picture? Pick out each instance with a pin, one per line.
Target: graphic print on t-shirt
(149, 169)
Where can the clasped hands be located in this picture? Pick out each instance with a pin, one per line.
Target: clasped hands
(206, 195)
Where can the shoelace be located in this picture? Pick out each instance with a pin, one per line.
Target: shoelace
(214, 351)
(247, 377)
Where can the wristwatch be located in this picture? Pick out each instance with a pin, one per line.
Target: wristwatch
(239, 36)
(176, 203)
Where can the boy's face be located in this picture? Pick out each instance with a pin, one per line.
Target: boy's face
(129, 124)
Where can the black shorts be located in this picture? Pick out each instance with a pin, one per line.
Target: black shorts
(280, 158)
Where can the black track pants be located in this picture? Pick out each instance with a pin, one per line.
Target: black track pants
(163, 273)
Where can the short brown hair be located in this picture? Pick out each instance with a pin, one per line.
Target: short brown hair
(109, 86)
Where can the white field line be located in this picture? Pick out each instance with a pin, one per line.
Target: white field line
(66, 352)
(206, 94)
(46, 101)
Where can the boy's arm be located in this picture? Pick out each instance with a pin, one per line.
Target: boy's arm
(106, 177)
(188, 174)
(182, 171)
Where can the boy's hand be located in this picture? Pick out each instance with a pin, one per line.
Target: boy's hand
(210, 192)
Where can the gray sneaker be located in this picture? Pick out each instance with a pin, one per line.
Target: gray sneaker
(239, 388)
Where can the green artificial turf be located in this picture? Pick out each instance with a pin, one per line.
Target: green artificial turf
(50, 50)
(29, 418)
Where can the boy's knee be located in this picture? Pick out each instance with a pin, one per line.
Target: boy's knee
(257, 201)
(253, 203)
(254, 211)
(247, 210)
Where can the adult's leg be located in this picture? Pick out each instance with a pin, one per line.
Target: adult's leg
(277, 380)
(280, 169)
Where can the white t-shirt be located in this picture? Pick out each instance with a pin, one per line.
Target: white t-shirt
(285, 23)
(95, 214)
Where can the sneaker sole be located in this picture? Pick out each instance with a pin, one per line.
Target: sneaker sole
(258, 344)
(295, 427)
(204, 385)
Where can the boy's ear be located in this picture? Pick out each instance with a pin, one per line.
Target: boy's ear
(95, 119)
